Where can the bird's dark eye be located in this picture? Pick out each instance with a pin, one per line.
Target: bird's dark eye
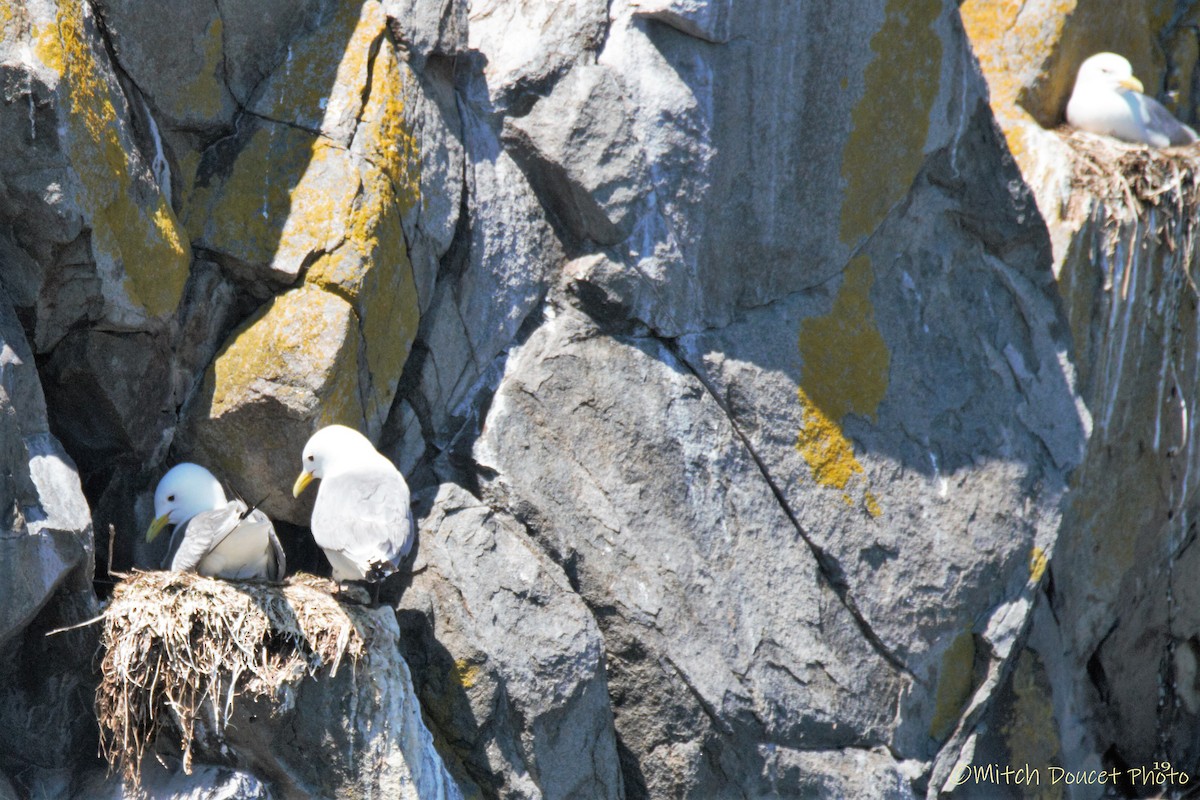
(170, 498)
(310, 458)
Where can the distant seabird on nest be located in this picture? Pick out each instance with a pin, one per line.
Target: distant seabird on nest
(214, 536)
(1108, 100)
(362, 518)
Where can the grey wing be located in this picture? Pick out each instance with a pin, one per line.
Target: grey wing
(278, 567)
(196, 537)
(366, 516)
(1164, 122)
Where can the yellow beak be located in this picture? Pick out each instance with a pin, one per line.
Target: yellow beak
(304, 480)
(156, 526)
(1132, 83)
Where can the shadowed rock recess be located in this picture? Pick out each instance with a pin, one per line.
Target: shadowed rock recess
(793, 407)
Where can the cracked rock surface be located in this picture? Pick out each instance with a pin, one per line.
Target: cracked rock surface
(744, 363)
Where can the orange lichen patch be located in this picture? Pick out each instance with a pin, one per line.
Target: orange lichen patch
(372, 271)
(385, 136)
(845, 371)
(845, 358)
(47, 46)
(10, 23)
(872, 505)
(139, 240)
(281, 200)
(901, 85)
(1011, 50)
(464, 673)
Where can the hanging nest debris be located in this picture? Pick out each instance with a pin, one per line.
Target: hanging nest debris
(1134, 175)
(180, 648)
(1142, 192)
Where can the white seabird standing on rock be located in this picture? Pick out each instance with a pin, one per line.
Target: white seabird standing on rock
(362, 518)
(1108, 100)
(214, 536)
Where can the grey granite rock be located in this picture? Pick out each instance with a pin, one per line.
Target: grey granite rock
(429, 28)
(508, 661)
(722, 630)
(529, 46)
(578, 144)
(44, 517)
(358, 733)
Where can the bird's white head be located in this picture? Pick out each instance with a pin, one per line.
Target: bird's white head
(1110, 71)
(185, 491)
(329, 449)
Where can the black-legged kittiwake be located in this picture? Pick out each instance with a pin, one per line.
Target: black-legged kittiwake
(1108, 100)
(214, 536)
(362, 518)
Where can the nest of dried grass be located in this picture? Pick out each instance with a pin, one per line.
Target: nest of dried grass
(1132, 175)
(177, 645)
(1141, 191)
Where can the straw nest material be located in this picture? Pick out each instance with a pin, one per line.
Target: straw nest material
(1133, 175)
(178, 645)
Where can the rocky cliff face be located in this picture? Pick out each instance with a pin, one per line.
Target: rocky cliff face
(1107, 676)
(780, 424)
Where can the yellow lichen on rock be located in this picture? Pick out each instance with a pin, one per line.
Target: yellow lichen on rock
(845, 358)
(465, 674)
(845, 370)
(10, 23)
(282, 199)
(322, 78)
(385, 134)
(135, 235)
(825, 449)
(203, 92)
(955, 683)
(1031, 731)
(301, 350)
(901, 85)
(371, 267)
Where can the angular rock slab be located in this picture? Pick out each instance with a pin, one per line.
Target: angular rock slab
(359, 733)
(329, 201)
(181, 66)
(206, 782)
(529, 45)
(777, 158)
(508, 661)
(722, 633)
(579, 143)
(74, 183)
(46, 552)
(289, 370)
(498, 280)
(45, 525)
